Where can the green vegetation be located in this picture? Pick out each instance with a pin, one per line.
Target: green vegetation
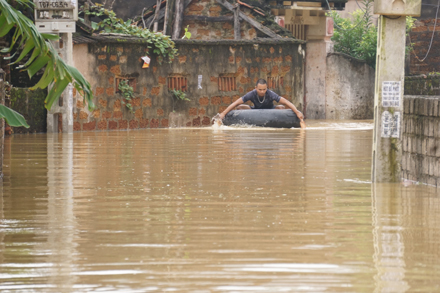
(187, 33)
(38, 50)
(162, 45)
(126, 92)
(179, 95)
(358, 37)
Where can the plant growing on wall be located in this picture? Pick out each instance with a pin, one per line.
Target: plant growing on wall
(179, 95)
(187, 34)
(161, 44)
(127, 93)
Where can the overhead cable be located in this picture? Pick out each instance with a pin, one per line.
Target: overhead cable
(432, 36)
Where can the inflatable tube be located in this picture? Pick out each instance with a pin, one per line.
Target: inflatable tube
(263, 117)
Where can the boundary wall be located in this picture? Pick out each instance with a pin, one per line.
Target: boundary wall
(421, 130)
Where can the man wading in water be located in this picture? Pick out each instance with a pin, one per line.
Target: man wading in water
(262, 98)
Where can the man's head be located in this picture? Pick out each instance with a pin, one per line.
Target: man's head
(261, 87)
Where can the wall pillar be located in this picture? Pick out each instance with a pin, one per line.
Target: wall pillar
(318, 46)
(388, 102)
(64, 107)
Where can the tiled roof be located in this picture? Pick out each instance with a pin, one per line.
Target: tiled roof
(118, 38)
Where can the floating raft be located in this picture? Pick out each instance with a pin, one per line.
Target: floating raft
(264, 118)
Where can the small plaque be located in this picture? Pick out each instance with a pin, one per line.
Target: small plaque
(391, 94)
(390, 124)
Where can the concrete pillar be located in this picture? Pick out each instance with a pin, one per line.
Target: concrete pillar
(318, 46)
(65, 105)
(388, 100)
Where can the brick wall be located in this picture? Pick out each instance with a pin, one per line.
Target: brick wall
(244, 62)
(420, 36)
(202, 30)
(421, 139)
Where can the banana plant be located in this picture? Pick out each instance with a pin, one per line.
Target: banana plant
(57, 74)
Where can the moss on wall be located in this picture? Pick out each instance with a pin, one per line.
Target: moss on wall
(427, 85)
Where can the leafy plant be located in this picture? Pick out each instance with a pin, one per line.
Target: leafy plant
(358, 37)
(127, 93)
(180, 95)
(161, 44)
(409, 25)
(57, 74)
(187, 33)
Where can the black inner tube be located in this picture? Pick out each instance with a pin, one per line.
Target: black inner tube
(263, 117)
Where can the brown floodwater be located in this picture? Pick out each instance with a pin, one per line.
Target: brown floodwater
(212, 210)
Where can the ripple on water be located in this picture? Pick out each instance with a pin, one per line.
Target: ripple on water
(212, 210)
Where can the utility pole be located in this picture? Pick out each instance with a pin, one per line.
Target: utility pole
(59, 17)
(389, 85)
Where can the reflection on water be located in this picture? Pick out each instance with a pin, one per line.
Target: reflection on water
(212, 210)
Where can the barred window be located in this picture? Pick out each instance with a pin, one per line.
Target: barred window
(227, 83)
(177, 82)
(274, 82)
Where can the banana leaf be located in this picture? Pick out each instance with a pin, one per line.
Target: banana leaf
(12, 118)
(57, 74)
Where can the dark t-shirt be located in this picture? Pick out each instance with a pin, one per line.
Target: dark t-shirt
(265, 102)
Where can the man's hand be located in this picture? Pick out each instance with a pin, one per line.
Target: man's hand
(299, 115)
(221, 116)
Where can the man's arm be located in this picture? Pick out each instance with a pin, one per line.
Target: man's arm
(288, 104)
(230, 107)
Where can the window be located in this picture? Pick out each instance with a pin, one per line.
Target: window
(274, 82)
(227, 83)
(131, 82)
(297, 30)
(177, 82)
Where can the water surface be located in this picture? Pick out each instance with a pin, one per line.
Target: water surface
(212, 210)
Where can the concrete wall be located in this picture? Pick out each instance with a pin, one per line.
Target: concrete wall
(246, 61)
(349, 88)
(421, 139)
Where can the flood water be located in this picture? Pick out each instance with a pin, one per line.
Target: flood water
(212, 210)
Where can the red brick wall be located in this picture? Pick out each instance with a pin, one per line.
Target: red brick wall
(420, 36)
(215, 30)
(154, 106)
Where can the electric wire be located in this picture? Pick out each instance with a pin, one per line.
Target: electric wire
(432, 36)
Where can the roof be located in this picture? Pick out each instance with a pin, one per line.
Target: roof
(119, 38)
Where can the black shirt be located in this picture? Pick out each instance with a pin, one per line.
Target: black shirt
(265, 102)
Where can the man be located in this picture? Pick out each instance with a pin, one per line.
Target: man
(262, 98)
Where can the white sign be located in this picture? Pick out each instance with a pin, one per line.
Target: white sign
(56, 16)
(390, 124)
(391, 94)
(200, 82)
(55, 5)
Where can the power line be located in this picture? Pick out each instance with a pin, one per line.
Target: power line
(432, 36)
